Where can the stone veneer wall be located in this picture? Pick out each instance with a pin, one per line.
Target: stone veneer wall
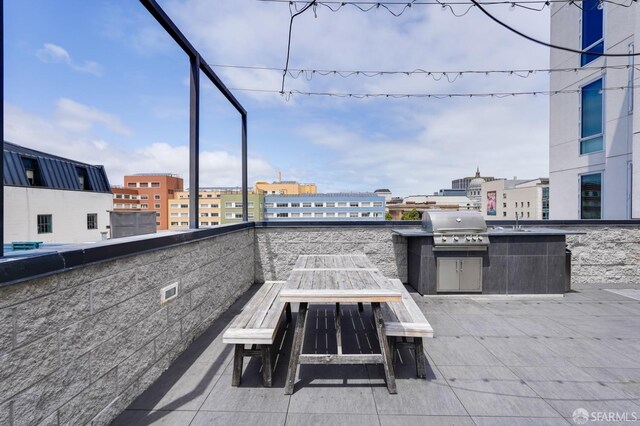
(278, 248)
(606, 256)
(77, 347)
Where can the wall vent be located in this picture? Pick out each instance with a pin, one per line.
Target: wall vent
(168, 293)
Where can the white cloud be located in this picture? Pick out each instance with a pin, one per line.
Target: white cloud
(66, 134)
(52, 53)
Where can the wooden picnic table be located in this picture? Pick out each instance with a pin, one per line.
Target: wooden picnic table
(338, 279)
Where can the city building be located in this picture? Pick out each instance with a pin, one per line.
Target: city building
(285, 187)
(209, 208)
(474, 189)
(384, 193)
(502, 199)
(51, 199)
(594, 138)
(231, 207)
(326, 207)
(154, 190)
(422, 203)
(458, 192)
(125, 199)
(463, 183)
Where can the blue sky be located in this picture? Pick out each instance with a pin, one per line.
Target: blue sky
(101, 82)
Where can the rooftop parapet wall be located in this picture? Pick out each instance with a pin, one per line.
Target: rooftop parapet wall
(79, 346)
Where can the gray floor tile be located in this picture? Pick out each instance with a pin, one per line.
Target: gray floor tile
(520, 421)
(461, 307)
(588, 353)
(518, 351)
(602, 326)
(216, 418)
(464, 350)
(628, 389)
(444, 325)
(158, 418)
(486, 325)
(539, 326)
(614, 374)
(179, 389)
(594, 295)
(501, 398)
(327, 419)
(247, 397)
(477, 373)
(566, 373)
(600, 308)
(566, 407)
(419, 397)
(559, 390)
(426, 421)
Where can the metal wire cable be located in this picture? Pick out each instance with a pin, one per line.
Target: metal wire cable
(293, 15)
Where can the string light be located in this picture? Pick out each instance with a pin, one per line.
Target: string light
(450, 76)
(399, 8)
(499, 95)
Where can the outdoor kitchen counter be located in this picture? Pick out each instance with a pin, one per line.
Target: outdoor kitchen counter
(516, 261)
(418, 232)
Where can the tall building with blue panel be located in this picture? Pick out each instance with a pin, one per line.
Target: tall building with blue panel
(324, 207)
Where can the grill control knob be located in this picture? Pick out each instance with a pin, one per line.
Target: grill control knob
(468, 238)
(475, 238)
(455, 238)
(444, 238)
(479, 237)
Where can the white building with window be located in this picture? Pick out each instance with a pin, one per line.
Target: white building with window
(594, 136)
(51, 199)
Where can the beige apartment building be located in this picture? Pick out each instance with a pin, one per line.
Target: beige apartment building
(502, 199)
(209, 208)
(285, 187)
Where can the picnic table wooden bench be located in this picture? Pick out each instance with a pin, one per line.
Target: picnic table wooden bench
(405, 319)
(257, 325)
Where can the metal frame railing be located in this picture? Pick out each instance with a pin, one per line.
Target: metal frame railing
(197, 65)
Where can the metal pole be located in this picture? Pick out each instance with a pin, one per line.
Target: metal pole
(245, 189)
(194, 143)
(2, 128)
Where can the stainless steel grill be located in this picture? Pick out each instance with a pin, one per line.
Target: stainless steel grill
(456, 231)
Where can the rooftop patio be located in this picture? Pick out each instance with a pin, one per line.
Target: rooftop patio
(494, 360)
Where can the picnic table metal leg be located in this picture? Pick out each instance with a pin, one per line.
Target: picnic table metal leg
(338, 329)
(360, 307)
(421, 366)
(287, 309)
(384, 348)
(296, 348)
(266, 365)
(238, 357)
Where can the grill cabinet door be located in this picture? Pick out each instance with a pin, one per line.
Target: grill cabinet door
(448, 279)
(470, 273)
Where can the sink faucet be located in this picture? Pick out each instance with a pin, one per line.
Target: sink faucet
(517, 226)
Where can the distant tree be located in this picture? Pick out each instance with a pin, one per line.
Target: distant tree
(411, 215)
(387, 216)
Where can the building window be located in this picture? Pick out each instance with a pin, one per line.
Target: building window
(32, 171)
(504, 195)
(318, 204)
(295, 215)
(342, 214)
(157, 214)
(365, 214)
(204, 214)
(184, 223)
(295, 204)
(144, 184)
(132, 185)
(228, 204)
(591, 196)
(45, 224)
(209, 195)
(214, 214)
(249, 205)
(215, 206)
(282, 215)
(504, 205)
(377, 204)
(528, 204)
(545, 203)
(204, 223)
(306, 214)
(156, 197)
(592, 25)
(306, 204)
(83, 179)
(228, 215)
(214, 223)
(92, 220)
(282, 205)
(156, 206)
(366, 204)
(341, 204)
(250, 216)
(155, 184)
(331, 205)
(591, 118)
(144, 197)
(238, 205)
(118, 196)
(144, 206)
(353, 214)
(504, 214)
(318, 214)
(353, 204)
(331, 214)
(174, 223)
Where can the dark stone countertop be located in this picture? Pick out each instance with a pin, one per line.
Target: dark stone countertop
(493, 232)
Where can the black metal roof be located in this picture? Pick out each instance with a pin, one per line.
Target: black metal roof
(54, 172)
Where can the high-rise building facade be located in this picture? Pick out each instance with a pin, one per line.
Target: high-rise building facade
(503, 199)
(594, 135)
(154, 190)
(339, 206)
(285, 188)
